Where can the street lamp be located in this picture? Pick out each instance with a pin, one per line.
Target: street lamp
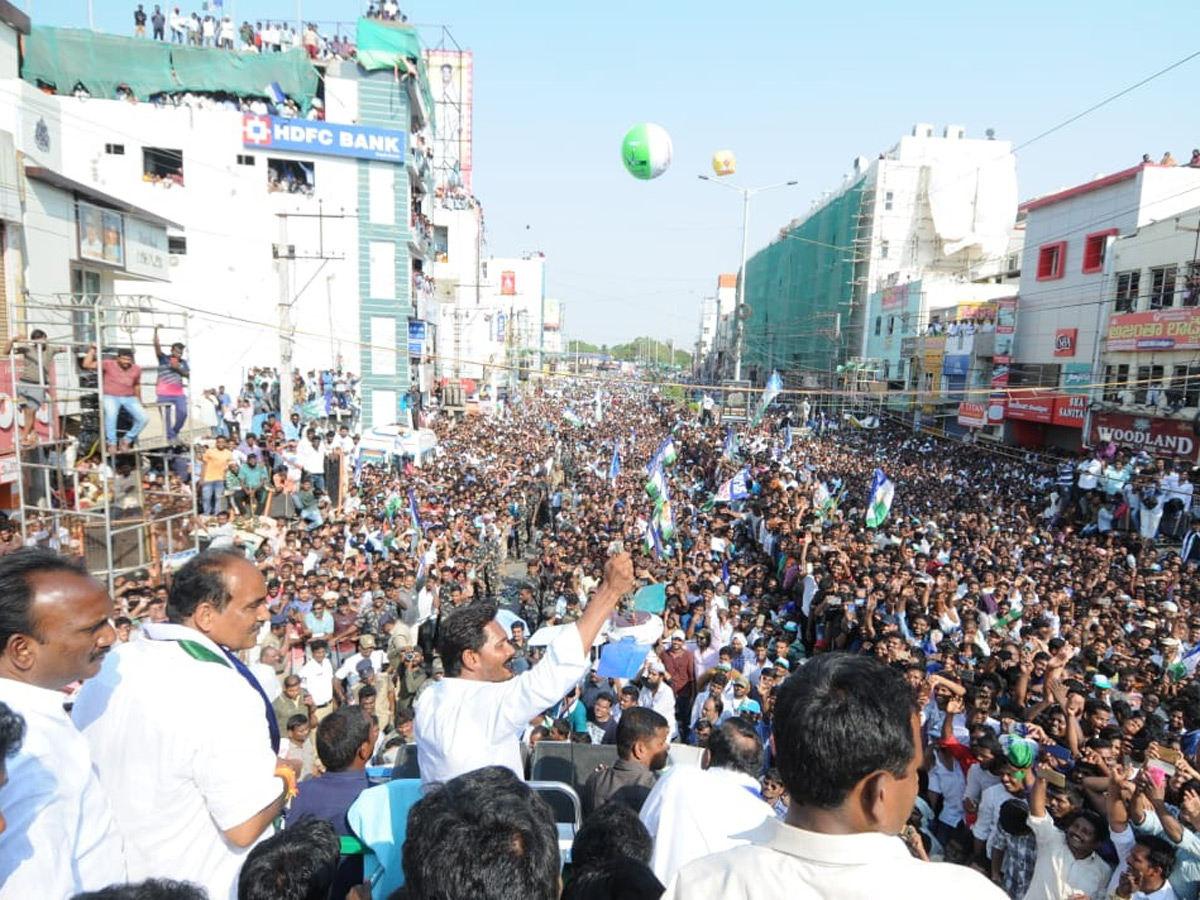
(746, 193)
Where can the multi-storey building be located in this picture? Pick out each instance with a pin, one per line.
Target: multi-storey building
(1068, 282)
(931, 206)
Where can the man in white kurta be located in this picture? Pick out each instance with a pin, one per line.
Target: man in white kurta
(697, 812)
(180, 739)
(179, 773)
(61, 836)
(474, 717)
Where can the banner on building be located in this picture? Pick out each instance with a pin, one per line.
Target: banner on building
(1069, 411)
(451, 81)
(1076, 377)
(322, 138)
(1159, 437)
(1064, 341)
(101, 234)
(1031, 406)
(973, 415)
(894, 298)
(1162, 329)
(508, 283)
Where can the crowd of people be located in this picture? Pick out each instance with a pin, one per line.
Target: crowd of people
(986, 693)
(204, 29)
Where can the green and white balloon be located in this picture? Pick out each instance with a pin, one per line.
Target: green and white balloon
(646, 151)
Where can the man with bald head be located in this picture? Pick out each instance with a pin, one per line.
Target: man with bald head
(194, 785)
(62, 837)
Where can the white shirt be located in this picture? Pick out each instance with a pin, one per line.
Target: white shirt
(1058, 873)
(951, 784)
(783, 861)
(312, 459)
(662, 702)
(62, 838)
(317, 679)
(181, 745)
(988, 819)
(462, 725)
(265, 675)
(698, 812)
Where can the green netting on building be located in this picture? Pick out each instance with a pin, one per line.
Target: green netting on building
(796, 288)
(380, 44)
(245, 74)
(65, 57)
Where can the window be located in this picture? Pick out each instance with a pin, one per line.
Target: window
(1094, 247)
(1162, 287)
(888, 197)
(883, 249)
(1050, 261)
(1191, 286)
(1147, 377)
(177, 246)
(1127, 290)
(1115, 378)
(245, 159)
(114, 149)
(1014, 263)
(162, 166)
(878, 325)
(289, 176)
(1185, 386)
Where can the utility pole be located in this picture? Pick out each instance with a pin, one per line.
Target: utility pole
(285, 254)
(282, 257)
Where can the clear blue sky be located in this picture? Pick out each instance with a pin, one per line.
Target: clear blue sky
(795, 89)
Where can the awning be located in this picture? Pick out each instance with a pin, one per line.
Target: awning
(90, 194)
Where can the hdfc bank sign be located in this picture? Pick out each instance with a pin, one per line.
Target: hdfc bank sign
(1158, 437)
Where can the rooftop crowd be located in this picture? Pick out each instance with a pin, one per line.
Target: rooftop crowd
(987, 694)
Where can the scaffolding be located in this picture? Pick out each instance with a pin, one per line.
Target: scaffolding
(120, 510)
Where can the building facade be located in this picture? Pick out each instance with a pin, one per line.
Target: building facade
(1069, 281)
(942, 206)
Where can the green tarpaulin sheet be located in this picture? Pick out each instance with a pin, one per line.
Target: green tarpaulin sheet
(382, 45)
(64, 57)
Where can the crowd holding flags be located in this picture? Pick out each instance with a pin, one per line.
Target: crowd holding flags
(614, 467)
(730, 450)
(880, 504)
(773, 389)
(660, 530)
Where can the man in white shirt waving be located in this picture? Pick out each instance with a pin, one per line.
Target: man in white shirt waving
(194, 785)
(61, 836)
(848, 745)
(474, 716)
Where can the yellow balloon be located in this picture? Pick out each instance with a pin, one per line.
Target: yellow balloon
(724, 162)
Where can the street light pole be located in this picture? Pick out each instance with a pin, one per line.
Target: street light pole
(740, 297)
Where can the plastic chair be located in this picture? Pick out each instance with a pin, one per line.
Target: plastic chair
(379, 819)
(568, 813)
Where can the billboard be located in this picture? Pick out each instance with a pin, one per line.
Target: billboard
(1076, 377)
(972, 415)
(1031, 406)
(1161, 329)
(451, 80)
(101, 234)
(895, 297)
(322, 138)
(508, 283)
(1159, 437)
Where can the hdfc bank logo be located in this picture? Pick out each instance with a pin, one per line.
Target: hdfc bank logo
(256, 130)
